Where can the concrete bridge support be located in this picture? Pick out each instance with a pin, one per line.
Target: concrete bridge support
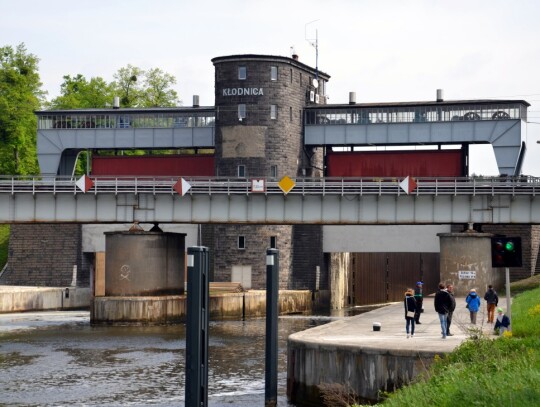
(465, 262)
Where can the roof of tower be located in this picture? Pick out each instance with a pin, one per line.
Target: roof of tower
(270, 58)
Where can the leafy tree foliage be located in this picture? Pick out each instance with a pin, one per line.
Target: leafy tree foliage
(157, 90)
(127, 84)
(79, 93)
(139, 88)
(134, 86)
(20, 96)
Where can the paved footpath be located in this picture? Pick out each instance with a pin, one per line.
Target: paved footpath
(357, 331)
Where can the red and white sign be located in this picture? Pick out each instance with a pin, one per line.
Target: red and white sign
(182, 186)
(84, 183)
(408, 185)
(258, 185)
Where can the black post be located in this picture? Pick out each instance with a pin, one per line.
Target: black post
(197, 328)
(272, 287)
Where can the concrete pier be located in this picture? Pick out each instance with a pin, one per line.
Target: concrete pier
(19, 299)
(351, 353)
(143, 310)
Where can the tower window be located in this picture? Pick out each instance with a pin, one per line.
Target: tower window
(273, 171)
(241, 242)
(241, 112)
(273, 242)
(273, 73)
(290, 113)
(242, 72)
(273, 112)
(241, 171)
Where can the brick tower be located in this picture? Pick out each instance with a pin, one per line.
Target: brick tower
(259, 121)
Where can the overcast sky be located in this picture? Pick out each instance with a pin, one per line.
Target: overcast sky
(384, 50)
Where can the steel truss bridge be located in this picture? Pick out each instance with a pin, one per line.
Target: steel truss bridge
(330, 201)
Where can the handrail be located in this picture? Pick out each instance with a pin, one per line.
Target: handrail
(525, 185)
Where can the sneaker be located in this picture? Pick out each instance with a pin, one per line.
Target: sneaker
(419, 323)
(407, 336)
(444, 336)
(412, 335)
(449, 334)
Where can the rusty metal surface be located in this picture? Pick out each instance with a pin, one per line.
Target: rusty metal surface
(383, 277)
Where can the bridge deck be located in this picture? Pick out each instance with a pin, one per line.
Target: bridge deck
(310, 201)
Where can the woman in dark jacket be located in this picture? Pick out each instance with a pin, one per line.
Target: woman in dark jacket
(410, 308)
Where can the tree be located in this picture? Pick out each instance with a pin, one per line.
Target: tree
(128, 86)
(20, 96)
(78, 93)
(139, 88)
(157, 90)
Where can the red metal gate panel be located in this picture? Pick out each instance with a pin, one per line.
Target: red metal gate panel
(151, 165)
(424, 163)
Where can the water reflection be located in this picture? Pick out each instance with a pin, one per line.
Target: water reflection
(78, 364)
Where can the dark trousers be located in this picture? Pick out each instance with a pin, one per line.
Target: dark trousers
(419, 302)
(448, 322)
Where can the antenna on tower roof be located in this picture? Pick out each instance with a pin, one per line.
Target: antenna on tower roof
(314, 42)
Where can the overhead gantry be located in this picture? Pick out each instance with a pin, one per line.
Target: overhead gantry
(62, 135)
(501, 123)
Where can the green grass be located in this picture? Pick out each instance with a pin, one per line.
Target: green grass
(484, 372)
(4, 241)
(526, 314)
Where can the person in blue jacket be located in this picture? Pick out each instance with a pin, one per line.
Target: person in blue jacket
(473, 304)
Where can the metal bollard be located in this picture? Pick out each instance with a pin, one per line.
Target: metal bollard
(197, 328)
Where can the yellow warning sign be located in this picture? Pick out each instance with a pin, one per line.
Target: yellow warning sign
(286, 184)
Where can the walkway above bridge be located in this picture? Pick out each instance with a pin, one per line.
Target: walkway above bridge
(331, 201)
(501, 123)
(62, 134)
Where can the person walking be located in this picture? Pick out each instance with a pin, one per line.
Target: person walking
(419, 297)
(503, 322)
(473, 304)
(410, 311)
(492, 300)
(450, 289)
(442, 304)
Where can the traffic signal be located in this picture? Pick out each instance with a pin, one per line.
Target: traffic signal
(506, 252)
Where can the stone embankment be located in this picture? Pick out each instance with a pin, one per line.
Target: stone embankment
(349, 352)
(154, 310)
(20, 299)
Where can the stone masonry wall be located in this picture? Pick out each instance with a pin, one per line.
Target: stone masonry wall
(261, 143)
(44, 255)
(257, 240)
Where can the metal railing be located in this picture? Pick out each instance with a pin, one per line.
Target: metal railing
(524, 185)
(414, 114)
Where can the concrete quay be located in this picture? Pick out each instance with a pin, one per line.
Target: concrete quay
(350, 353)
(23, 298)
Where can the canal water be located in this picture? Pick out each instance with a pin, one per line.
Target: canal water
(58, 359)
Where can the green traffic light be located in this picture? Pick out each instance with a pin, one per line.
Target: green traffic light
(509, 246)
